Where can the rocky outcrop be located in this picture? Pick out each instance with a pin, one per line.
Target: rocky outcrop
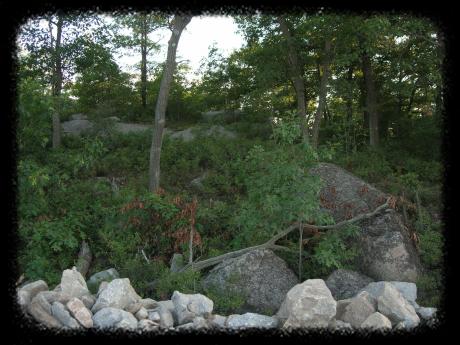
(386, 251)
(260, 276)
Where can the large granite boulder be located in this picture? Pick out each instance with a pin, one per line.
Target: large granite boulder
(77, 126)
(358, 310)
(386, 251)
(251, 320)
(73, 283)
(309, 304)
(114, 317)
(260, 276)
(28, 291)
(346, 283)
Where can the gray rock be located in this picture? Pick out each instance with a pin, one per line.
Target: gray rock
(346, 283)
(189, 306)
(426, 313)
(142, 314)
(79, 116)
(339, 325)
(82, 314)
(309, 304)
(177, 262)
(162, 316)
(88, 301)
(386, 251)
(376, 321)
(27, 292)
(197, 183)
(73, 283)
(40, 309)
(101, 288)
(186, 135)
(393, 305)
(118, 294)
(190, 134)
(114, 118)
(96, 279)
(55, 296)
(251, 320)
(340, 307)
(217, 320)
(147, 325)
(114, 317)
(59, 311)
(408, 290)
(198, 323)
(126, 128)
(260, 277)
(149, 303)
(134, 307)
(76, 127)
(358, 310)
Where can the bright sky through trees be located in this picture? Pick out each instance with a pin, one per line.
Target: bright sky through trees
(200, 34)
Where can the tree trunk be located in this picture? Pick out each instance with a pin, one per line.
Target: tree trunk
(322, 93)
(371, 101)
(179, 23)
(57, 84)
(144, 62)
(296, 72)
(349, 107)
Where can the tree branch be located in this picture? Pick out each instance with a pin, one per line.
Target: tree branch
(270, 244)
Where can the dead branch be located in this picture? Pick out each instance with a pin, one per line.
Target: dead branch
(270, 244)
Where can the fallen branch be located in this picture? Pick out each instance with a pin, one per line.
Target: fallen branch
(270, 244)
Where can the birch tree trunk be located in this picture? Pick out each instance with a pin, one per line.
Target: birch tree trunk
(322, 93)
(57, 83)
(296, 72)
(179, 23)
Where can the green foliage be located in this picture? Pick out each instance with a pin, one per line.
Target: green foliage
(185, 282)
(287, 130)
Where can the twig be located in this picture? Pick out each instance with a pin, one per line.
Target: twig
(145, 256)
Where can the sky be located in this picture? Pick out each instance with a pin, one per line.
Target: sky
(194, 43)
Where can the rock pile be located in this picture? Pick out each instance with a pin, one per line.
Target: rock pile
(310, 304)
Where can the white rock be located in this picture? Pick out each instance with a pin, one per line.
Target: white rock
(27, 292)
(142, 314)
(80, 312)
(376, 321)
(394, 306)
(189, 306)
(426, 313)
(118, 294)
(114, 317)
(73, 283)
(358, 310)
(59, 311)
(309, 304)
(251, 320)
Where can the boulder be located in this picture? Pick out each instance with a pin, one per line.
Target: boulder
(73, 283)
(118, 294)
(101, 288)
(197, 183)
(261, 277)
(426, 313)
(189, 306)
(77, 126)
(142, 314)
(40, 309)
(309, 304)
(358, 310)
(134, 307)
(148, 303)
(104, 276)
(339, 325)
(82, 314)
(79, 116)
(147, 325)
(113, 317)
(197, 323)
(393, 305)
(407, 290)
(340, 307)
(88, 301)
(386, 251)
(216, 320)
(251, 320)
(162, 316)
(190, 133)
(186, 135)
(126, 128)
(59, 311)
(376, 321)
(27, 292)
(55, 296)
(346, 283)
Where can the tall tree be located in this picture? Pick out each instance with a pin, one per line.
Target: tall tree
(140, 26)
(179, 23)
(296, 74)
(322, 92)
